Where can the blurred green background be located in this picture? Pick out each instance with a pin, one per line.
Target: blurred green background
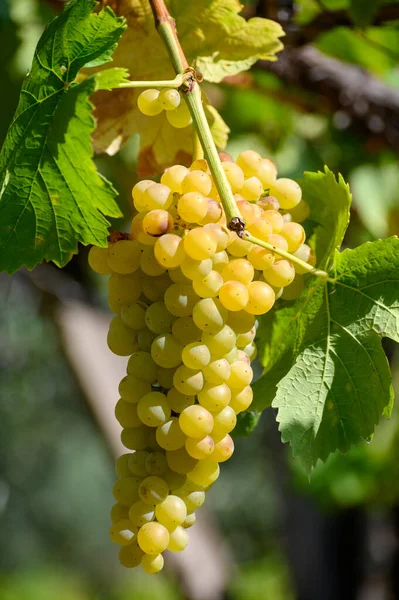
(332, 98)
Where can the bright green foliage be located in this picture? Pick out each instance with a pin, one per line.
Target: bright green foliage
(51, 194)
(337, 382)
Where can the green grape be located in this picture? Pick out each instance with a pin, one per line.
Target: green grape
(188, 381)
(166, 351)
(130, 556)
(200, 244)
(261, 298)
(224, 449)
(196, 422)
(233, 295)
(119, 512)
(157, 222)
(251, 351)
(294, 234)
(138, 232)
(123, 532)
(121, 340)
(98, 260)
(157, 318)
(145, 337)
(220, 342)
(179, 117)
(260, 258)
(241, 399)
(209, 314)
(197, 181)
(153, 409)
(200, 448)
(180, 299)
(192, 206)
(243, 339)
(240, 321)
(215, 397)
(154, 288)
(241, 375)
(205, 472)
(218, 371)
(196, 269)
(188, 521)
(186, 331)
(165, 377)
(141, 513)
(238, 247)
(132, 315)
(300, 212)
(142, 366)
(240, 270)
(196, 355)
(152, 564)
(153, 490)
(153, 538)
(126, 414)
(252, 189)
(135, 438)
(180, 461)
(234, 174)
(174, 480)
(220, 260)
(124, 257)
(169, 99)
(171, 512)
(221, 236)
(223, 422)
(173, 178)
(122, 465)
(157, 196)
(267, 172)
(148, 104)
(250, 162)
(306, 254)
(178, 401)
(193, 500)
(232, 355)
(287, 192)
(156, 463)
(170, 436)
(280, 274)
(114, 305)
(209, 286)
(169, 251)
(261, 229)
(126, 490)
(138, 191)
(177, 276)
(136, 463)
(178, 540)
(149, 264)
(214, 212)
(275, 218)
(125, 288)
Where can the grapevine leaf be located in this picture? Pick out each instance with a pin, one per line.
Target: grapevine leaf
(363, 13)
(51, 194)
(338, 382)
(216, 40)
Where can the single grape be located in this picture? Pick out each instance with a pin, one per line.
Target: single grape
(153, 490)
(170, 436)
(275, 218)
(135, 438)
(98, 260)
(195, 421)
(132, 315)
(261, 298)
(149, 264)
(218, 371)
(220, 260)
(267, 172)
(250, 162)
(287, 192)
(148, 104)
(179, 117)
(138, 191)
(153, 409)
(241, 375)
(178, 540)
(188, 381)
(178, 401)
(200, 448)
(300, 212)
(126, 490)
(260, 258)
(268, 203)
(125, 288)
(169, 251)
(121, 340)
(180, 299)
(243, 339)
(169, 99)
(165, 377)
(157, 196)
(188, 521)
(180, 461)
(238, 247)
(215, 397)
(173, 178)
(252, 189)
(166, 351)
(261, 229)
(186, 331)
(209, 286)
(280, 274)
(157, 222)
(145, 337)
(171, 512)
(232, 355)
(294, 234)
(130, 556)
(174, 480)
(119, 512)
(223, 449)
(196, 269)
(155, 288)
(153, 538)
(152, 564)
(138, 232)
(141, 513)
(214, 212)
(157, 318)
(197, 181)
(234, 175)
(196, 355)
(155, 463)
(122, 465)
(136, 462)
(223, 422)
(126, 414)
(240, 321)
(205, 472)
(193, 500)
(220, 342)
(142, 366)
(233, 295)
(200, 244)
(238, 269)
(209, 314)
(192, 206)
(124, 257)
(278, 241)
(221, 236)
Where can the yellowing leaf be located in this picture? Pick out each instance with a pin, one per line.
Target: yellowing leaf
(216, 40)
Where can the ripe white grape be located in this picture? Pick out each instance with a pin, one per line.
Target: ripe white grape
(124, 257)
(173, 178)
(119, 512)
(157, 222)
(188, 381)
(153, 409)
(200, 448)
(142, 366)
(153, 490)
(294, 234)
(98, 260)
(152, 564)
(287, 192)
(196, 269)
(196, 355)
(205, 472)
(192, 206)
(180, 461)
(149, 264)
(157, 196)
(186, 331)
(209, 314)
(178, 401)
(218, 371)
(136, 462)
(215, 397)
(169, 99)
(121, 340)
(126, 414)
(180, 299)
(135, 438)
(179, 117)
(261, 298)
(170, 436)
(148, 103)
(169, 251)
(126, 490)
(155, 463)
(234, 295)
(241, 399)
(280, 274)
(130, 556)
(195, 421)
(133, 315)
(223, 449)
(209, 286)
(166, 351)
(200, 244)
(171, 512)
(178, 539)
(141, 513)
(250, 162)
(122, 465)
(157, 318)
(153, 538)
(220, 342)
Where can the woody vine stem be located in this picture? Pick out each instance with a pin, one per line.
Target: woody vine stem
(191, 90)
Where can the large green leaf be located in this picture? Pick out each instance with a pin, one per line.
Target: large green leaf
(51, 194)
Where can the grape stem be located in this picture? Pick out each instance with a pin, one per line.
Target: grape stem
(192, 92)
(308, 268)
(167, 83)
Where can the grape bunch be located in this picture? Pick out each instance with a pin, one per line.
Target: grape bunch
(186, 292)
